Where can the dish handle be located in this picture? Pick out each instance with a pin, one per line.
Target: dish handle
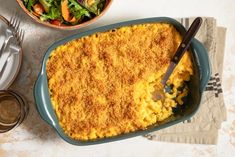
(204, 63)
(42, 101)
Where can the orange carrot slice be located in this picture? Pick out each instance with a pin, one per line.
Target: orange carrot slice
(65, 12)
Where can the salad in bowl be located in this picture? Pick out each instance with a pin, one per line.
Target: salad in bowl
(64, 12)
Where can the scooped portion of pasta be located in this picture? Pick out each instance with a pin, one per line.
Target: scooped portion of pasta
(102, 85)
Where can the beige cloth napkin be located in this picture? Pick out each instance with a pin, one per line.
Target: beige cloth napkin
(203, 127)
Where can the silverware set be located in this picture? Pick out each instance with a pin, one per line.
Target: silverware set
(12, 44)
(13, 107)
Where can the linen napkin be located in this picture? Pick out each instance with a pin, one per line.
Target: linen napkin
(203, 127)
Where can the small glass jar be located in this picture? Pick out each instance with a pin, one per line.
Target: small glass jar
(13, 110)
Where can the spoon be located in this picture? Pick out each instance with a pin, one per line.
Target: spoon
(187, 39)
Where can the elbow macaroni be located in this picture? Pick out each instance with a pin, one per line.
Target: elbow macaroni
(102, 85)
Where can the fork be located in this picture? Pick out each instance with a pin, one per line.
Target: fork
(11, 31)
(14, 47)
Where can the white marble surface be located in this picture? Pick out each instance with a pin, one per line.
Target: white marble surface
(35, 138)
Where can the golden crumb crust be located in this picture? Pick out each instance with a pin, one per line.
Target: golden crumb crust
(102, 85)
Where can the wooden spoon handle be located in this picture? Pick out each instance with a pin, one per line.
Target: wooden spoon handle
(189, 35)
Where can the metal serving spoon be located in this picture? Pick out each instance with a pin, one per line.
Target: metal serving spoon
(187, 39)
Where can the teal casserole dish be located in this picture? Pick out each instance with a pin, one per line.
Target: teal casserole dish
(196, 85)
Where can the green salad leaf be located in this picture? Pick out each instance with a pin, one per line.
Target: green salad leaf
(30, 4)
(95, 6)
(77, 10)
(25, 2)
(46, 5)
(56, 3)
(54, 13)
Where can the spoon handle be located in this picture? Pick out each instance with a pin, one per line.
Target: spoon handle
(189, 35)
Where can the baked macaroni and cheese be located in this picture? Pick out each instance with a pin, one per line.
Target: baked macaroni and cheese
(102, 85)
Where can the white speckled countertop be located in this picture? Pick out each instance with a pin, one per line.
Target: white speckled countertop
(35, 138)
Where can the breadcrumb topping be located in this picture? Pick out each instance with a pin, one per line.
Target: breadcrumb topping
(102, 85)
